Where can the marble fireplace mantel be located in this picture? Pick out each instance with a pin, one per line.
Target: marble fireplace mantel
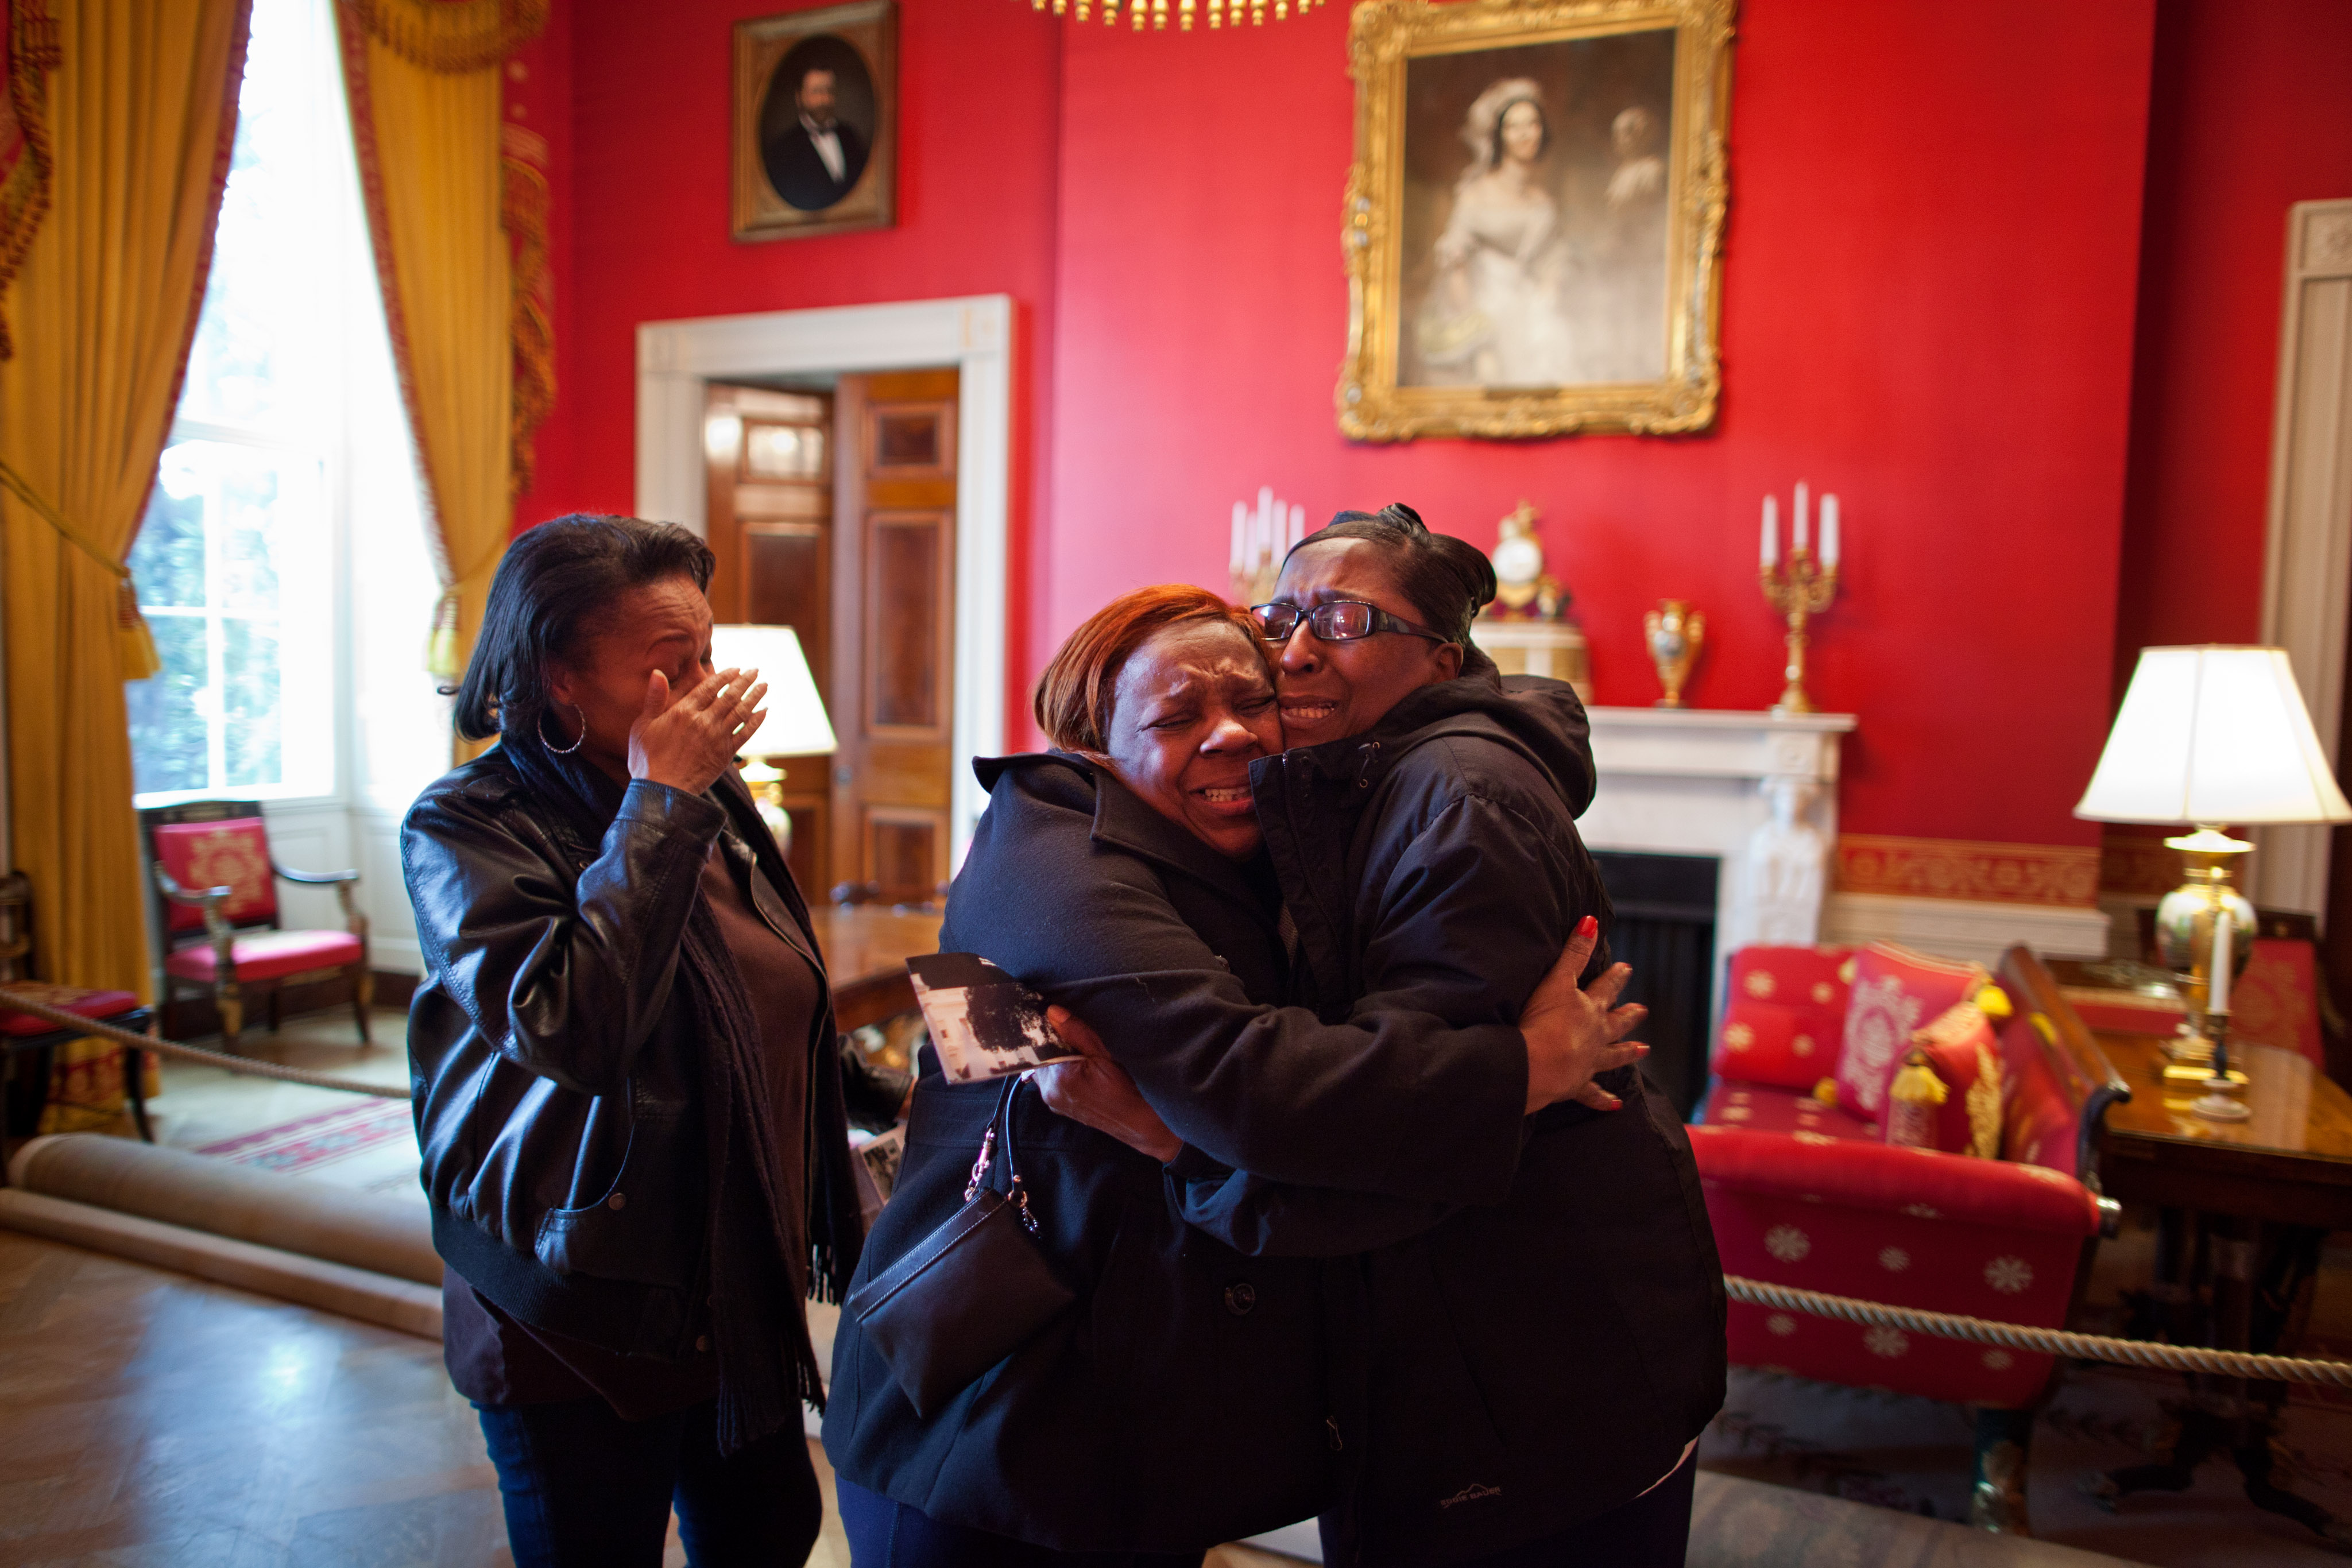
(1756, 790)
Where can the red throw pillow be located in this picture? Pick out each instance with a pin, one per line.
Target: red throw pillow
(1896, 993)
(1784, 1016)
(1963, 1052)
(1763, 1042)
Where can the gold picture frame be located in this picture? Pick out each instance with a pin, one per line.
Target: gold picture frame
(1528, 251)
(797, 176)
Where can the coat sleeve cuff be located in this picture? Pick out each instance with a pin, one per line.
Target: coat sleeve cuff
(667, 810)
(1191, 1164)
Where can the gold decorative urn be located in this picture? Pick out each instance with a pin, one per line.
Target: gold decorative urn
(1674, 632)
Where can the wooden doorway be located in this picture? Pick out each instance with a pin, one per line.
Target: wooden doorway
(832, 511)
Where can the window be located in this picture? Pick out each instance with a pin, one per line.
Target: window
(289, 476)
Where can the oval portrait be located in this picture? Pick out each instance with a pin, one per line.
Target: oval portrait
(816, 123)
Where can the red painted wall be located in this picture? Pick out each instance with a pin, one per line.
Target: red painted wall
(1928, 309)
(2251, 112)
(978, 129)
(1930, 278)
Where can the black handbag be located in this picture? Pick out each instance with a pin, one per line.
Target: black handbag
(970, 1293)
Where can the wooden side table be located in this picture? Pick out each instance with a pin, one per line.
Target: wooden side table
(2268, 1190)
(866, 948)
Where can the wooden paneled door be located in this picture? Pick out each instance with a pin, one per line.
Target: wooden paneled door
(892, 696)
(770, 511)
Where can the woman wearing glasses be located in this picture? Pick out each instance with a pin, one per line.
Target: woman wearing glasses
(1185, 1399)
(1530, 1375)
(1536, 1372)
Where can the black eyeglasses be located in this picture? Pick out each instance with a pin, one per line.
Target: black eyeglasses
(1334, 620)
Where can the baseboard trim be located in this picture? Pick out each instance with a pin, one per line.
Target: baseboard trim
(1966, 928)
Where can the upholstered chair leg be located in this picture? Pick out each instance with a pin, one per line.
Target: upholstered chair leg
(134, 1084)
(276, 996)
(2004, 1444)
(362, 999)
(230, 999)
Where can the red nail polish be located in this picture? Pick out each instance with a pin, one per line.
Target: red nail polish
(1588, 926)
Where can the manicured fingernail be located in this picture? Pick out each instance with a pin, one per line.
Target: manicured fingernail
(1615, 1103)
(1588, 926)
(1641, 1048)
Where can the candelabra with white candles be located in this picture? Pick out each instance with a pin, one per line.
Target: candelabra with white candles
(1263, 535)
(1800, 586)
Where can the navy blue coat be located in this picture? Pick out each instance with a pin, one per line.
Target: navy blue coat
(1542, 1356)
(1183, 1401)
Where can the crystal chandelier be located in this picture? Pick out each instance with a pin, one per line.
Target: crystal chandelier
(1220, 12)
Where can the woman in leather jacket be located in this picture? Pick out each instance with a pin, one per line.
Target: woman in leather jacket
(628, 1089)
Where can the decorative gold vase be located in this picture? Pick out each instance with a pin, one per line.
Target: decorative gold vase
(1674, 632)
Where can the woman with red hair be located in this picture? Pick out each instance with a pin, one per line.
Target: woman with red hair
(1184, 1400)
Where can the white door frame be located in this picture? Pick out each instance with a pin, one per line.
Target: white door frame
(678, 359)
(2307, 564)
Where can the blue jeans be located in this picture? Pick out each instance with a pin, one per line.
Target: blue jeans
(887, 1535)
(584, 1489)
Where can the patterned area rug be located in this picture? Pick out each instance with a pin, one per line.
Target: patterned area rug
(370, 1144)
(1914, 1455)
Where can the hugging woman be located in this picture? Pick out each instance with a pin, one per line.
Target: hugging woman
(1344, 1040)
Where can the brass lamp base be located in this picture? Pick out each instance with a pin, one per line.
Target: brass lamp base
(2184, 928)
(766, 781)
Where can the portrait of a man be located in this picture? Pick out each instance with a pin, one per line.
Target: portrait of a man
(813, 154)
(814, 114)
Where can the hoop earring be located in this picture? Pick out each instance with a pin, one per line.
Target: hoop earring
(562, 750)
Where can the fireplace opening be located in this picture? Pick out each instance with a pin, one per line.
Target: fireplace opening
(1664, 927)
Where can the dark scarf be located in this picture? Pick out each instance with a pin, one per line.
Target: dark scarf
(762, 1333)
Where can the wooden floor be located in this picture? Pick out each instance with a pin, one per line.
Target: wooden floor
(154, 1420)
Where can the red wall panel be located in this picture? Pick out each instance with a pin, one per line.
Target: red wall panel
(1928, 309)
(978, 127)
(1930, 281)
(2251, 112)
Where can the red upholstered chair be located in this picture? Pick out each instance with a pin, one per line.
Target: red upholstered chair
(32, 1041)
(1806, 1194)
(216, 890)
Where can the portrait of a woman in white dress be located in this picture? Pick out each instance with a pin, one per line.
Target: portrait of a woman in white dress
(1497, 310)
(1534, 219)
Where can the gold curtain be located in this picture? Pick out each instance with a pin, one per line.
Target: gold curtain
(424, 80)
(141, 111)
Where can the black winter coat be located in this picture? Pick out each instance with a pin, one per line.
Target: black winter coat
(1184, 1400)
(1538, 1360)
(555, 1060)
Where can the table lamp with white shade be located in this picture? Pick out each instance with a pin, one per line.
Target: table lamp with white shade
(796, 725)
(2211, 736)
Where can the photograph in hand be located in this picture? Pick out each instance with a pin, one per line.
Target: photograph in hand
(984, 1022)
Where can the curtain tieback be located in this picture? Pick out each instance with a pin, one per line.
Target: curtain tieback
(134, 643)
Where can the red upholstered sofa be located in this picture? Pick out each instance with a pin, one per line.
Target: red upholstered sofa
(1806, 1194)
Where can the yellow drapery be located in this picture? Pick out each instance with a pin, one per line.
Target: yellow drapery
(141, 107)
(423, 77)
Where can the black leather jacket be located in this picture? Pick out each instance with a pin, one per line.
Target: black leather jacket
(553, 1062)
